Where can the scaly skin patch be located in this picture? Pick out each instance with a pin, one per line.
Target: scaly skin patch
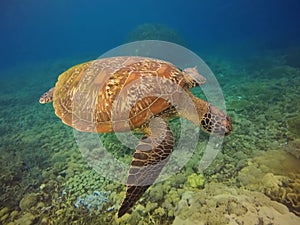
(215, 121)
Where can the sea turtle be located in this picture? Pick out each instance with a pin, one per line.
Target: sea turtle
(146, 91)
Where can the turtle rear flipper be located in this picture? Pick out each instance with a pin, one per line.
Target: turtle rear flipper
(47, 96)
(150, 156)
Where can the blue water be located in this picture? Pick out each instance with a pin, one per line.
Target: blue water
(40, 30)
(253, 49)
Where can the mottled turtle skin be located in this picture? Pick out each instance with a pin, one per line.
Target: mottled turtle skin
(133, 93)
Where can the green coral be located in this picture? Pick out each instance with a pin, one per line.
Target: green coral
(4, 211)
(196, 180)
(160, 211)
(81, 183)
(156, 193)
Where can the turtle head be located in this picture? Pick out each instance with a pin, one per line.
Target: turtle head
(47, 96)
(215, 121)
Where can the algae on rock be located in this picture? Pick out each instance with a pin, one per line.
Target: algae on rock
(219, 204)
(28, 201)
(277, 174)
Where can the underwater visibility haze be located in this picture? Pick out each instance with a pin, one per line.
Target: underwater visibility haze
(248, 53)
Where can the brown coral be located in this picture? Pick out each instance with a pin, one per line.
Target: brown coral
(293, 147)
(288, 193)
(277, 175)
(221, 204)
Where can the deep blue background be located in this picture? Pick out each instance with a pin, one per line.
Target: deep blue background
(34, 30)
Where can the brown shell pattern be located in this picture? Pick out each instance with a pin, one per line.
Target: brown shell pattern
(116, 94)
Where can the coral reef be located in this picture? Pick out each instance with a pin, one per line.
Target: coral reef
(196, 180)
(219, 204)
(84, 181)
(28, 201)
(294, 126)
(277, 174)
(94, 201)
(293, 147)
(150, 31)
(43, 173)
(26, 219)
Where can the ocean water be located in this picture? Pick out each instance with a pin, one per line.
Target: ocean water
(51, 174)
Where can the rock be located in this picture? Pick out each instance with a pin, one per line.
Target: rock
(26, 219)
(28, 201)
(3, 211)
(276, 174)
(230, 205)
(293, 147)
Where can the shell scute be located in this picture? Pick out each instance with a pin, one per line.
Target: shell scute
(93, 96)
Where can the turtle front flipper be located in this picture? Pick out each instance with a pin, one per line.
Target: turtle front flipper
(150, 156)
